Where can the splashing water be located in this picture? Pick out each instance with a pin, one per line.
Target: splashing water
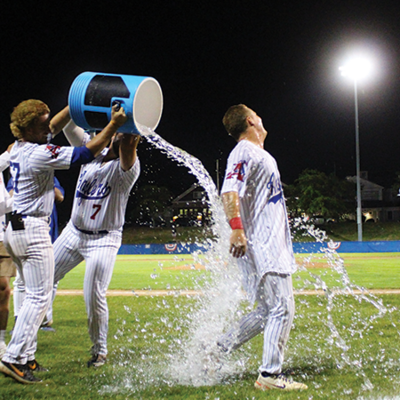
(192, 357)
(193, 362)
(336, 299)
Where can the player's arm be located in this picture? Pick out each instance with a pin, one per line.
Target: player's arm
(127, 150)
(58, 191)
(238, 241)
(5, 158)
(58, 195)
(6, 204)
(100, 141)
(74, 134)
(58, 122)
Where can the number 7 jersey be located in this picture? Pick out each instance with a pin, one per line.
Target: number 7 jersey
(101, 194)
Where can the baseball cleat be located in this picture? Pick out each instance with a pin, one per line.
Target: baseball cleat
(47, 323)
(47, 326)
(34, 366)
(222, 347)
(280, 382)
(19, 372)
(97, 360)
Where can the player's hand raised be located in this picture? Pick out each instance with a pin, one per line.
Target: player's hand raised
(118, 116)
(238, 243)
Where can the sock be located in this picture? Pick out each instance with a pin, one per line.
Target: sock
(2, 336)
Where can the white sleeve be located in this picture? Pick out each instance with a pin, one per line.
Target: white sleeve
(50, 156)
(6, 202)
(4, 161)
(236, 172)
(75, 135)
(9, 202)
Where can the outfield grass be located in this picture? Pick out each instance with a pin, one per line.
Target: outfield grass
(133, 272)
(343, 347)
(140, 349)
(142, 272)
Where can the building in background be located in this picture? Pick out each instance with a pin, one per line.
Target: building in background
(378, 203)
(191, 207)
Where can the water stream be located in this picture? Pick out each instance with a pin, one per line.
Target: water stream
(191, 358)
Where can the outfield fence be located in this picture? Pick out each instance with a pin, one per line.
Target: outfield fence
(389, 246)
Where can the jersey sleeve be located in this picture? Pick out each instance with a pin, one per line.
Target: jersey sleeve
(4, 161)
(6, 202)
(236, 172)
(46, 157)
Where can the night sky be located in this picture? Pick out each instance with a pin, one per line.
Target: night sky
(280, 58)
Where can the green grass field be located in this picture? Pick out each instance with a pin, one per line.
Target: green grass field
(342, 346)
(373, 270)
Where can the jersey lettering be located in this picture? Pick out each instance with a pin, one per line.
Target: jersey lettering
(92, 190)
(16, 168)
(98, 208)
(275, 186)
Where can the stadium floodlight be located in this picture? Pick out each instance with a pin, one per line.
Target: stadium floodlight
(357, 68)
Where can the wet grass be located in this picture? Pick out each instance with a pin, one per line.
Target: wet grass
(343, 347)
(139, 346)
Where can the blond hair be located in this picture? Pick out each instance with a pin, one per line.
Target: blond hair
(25, 115)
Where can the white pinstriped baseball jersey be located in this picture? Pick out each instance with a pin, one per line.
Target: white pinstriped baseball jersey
(101, 188)
(32, 168)
(253, 173)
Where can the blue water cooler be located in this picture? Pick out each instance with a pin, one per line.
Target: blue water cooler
(92, 94)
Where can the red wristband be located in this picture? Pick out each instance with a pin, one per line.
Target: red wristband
(236, 223)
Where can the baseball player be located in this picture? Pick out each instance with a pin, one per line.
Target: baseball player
(27, 239)
(7, 267)
(19, 285)
(255, 207)
(94, 231)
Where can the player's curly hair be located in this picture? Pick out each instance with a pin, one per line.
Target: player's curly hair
(25, 114)
(235, 120)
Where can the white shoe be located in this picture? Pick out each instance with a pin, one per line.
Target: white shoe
(3, 348)
(279, 382)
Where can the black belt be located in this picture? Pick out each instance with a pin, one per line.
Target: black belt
(17, 222)
(91, 232)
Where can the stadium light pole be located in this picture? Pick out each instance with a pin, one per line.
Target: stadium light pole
(357, 69)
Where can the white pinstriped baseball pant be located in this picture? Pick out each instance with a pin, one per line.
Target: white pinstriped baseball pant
(273, 315)
(32, 252)
(99, 251)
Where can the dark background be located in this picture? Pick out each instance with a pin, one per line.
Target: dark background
(280, 58)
